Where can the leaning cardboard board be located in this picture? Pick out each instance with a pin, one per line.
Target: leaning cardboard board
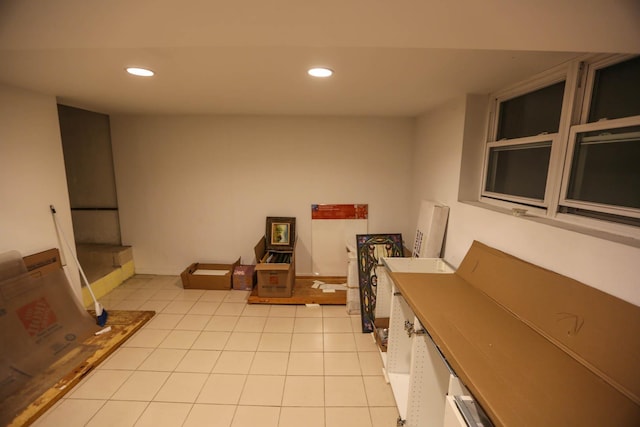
(534, 348)
(274, 279)
(41, 321)
(208, 276)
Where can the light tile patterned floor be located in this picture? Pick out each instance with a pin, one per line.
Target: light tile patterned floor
(210, 359)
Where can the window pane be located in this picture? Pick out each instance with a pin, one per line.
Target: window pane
(519, 170)
(531, 114)
(606, 168)
(616, 91)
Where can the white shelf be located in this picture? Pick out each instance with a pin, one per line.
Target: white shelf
(400, 386)
(418, 376)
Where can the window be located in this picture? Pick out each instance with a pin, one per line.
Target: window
(519, 170)
(615, 91)
(532, 113)
(517, 161)
(602, 164)
(569, 143)
(602, 172)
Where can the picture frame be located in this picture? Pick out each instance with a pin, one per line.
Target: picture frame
(281, 233)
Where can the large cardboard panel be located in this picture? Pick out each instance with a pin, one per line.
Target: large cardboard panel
(598, 329)
(534, 347)
(518, 376)
(40, 320)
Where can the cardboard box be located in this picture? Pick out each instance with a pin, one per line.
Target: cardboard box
(43, 262)
(208, 276)
(275, 280)
(534, 347)
(244, 277)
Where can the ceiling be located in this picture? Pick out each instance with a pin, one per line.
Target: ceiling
(391, 58)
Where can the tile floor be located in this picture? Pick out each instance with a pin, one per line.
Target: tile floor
(210, 359)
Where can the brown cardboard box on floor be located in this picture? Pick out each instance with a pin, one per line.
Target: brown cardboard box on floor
(195, 276)
(274, 279)
(43, 262)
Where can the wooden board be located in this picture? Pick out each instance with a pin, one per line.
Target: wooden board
(303, 293)
(75, 365)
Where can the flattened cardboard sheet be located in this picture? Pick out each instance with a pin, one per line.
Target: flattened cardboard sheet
(598, 329)
(40, 321)
(518, 372)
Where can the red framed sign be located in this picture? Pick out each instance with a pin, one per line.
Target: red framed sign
(337, 211)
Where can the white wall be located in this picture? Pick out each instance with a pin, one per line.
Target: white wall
(199, 188)
(32, 175)
(608, 266)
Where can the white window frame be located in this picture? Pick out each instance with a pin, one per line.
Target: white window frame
(596, 64)
(591, 206)
(552, 138)
(551, 77)
(578, 75)
(568, 74)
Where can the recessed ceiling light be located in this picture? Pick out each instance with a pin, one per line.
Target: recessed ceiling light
(142, 72)
(320, 72)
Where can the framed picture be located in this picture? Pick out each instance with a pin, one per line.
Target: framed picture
(281, 232)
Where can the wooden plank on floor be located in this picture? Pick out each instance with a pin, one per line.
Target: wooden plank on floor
(303, 293)
(123, 325)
